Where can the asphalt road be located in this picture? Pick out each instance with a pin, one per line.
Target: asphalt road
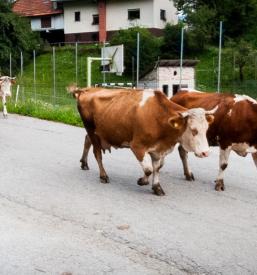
(56, 218)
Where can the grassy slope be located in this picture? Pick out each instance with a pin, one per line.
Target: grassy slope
(41, 100)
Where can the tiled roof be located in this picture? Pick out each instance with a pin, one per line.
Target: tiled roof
(34, 7)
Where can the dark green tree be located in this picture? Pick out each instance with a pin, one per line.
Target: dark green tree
(203, 16)
(172, 42)
(15, 36)
(149, 48)
(242, 54)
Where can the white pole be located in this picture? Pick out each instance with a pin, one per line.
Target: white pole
(181, 56)
(138, 65)
(76, 61)
(10, 65)
(34, 72)
(104, 63)
(89, 61)
(54, 74)
(219, 65)
(21, 64)
(17, 95)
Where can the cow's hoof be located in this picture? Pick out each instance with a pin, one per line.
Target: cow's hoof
(157, 190)
(219, 186)
(142, 182)
(104, 179)
(84, 165)
(5, 116)
(190, 177)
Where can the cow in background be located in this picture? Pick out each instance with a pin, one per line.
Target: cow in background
(234, 127)
(5, 90)
(144, 121)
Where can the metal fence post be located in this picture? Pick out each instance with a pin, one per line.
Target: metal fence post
(76, 61)
(10, 65)
(54, 80)
(34, 73)
(219, 65)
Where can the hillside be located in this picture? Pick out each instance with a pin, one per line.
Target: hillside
(50, 80)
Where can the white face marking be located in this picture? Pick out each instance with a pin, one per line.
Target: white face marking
(243, 149)
(145, 95)
(194, 138)
(239, 98)
(229, 112)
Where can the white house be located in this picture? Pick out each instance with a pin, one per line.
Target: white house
(45, 17)
(166, 76)
(97, 20)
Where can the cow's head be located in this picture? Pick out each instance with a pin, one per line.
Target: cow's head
(196, 122)
(5, 85)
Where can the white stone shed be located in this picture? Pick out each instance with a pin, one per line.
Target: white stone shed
(166, 76)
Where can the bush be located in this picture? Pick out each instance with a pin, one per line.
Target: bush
(15, 36)
(149, 48)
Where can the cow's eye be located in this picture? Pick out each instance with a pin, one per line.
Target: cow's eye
(194, 132)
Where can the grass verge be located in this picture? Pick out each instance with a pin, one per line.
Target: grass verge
(39, 109)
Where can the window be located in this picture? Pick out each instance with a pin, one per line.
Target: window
(133, 14)
(163, 15)
(46, 22)
(95, 19)
(77, 16)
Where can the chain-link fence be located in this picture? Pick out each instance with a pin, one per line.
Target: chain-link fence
(207, 79)
(47, 77)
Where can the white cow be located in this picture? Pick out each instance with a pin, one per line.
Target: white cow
(5, 90)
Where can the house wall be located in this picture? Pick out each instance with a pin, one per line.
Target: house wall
(171, 13)
(86, 17)
(117, 14)
(116, 17)
(57, 23)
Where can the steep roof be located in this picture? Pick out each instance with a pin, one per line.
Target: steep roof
(176, 63)
(35, 7)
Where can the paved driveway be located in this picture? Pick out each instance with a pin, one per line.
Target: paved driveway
(56, 218)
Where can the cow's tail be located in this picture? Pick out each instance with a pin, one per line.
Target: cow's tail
(74, 90)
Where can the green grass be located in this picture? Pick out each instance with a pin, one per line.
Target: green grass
(207, 74)
(35, 108)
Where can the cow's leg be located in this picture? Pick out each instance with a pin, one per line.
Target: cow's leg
(184, 158)
(223, 163)
(83, 160)
(4, 106)
(147, 167)
(254, 156)
(98, 155)
(157, 165)
(145, 161)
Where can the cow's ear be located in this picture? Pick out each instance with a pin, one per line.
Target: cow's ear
(176, 121)
(13, 81)
(209, 118)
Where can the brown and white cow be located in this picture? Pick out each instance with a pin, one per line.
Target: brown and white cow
(234, 127)
(5, 90)
(144, 121)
